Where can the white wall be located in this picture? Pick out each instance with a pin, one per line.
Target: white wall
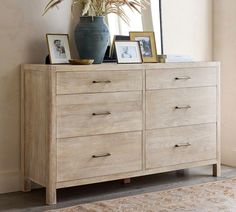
(22, 40)
(188, 28)
(225, 51)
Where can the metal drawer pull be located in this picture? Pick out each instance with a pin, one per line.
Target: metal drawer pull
(101, 114)
(183, 78)
(102, 156)
(183, 145)
(182, 107)
(102, 81)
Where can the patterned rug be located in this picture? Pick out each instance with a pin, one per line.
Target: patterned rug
(208, 197)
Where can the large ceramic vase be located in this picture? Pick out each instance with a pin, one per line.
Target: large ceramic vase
(92, 37)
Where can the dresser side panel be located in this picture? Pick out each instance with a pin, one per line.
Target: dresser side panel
(217, 167)
(35, 125)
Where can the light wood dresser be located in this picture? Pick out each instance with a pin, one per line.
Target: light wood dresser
(89, 124)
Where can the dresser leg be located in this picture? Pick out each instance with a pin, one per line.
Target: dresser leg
(26, 185)
(216, 170)
(181, 173)
(126, 181)
(51, 196)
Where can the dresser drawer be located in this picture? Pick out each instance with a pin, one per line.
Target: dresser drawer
(100, 113)
(85, 157)
(102, 81)
(180, 78)
(172, 146)
(178, 107)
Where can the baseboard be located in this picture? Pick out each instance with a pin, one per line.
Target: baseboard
(9, 181)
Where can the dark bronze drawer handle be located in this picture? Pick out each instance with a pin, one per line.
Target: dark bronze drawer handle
(182, 145)
(102, 156)
(102, 81)
(102, 114)
(182, 107)
(183, 78)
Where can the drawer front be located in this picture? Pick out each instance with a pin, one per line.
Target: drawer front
(172, 146)
(178, 107)
(85, 157)
(93, 82)
(180, 78)
(100, 113)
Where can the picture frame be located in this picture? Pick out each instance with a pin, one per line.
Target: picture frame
(128, 52)
(147, 45)
(59, 48)
(117, 38)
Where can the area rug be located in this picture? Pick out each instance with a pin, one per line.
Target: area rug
(209, 197)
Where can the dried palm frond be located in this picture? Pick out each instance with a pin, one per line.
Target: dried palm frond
(51, 4)
(103, 7)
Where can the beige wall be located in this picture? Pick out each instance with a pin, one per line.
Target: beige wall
(188, 28)
(22, 40)
(225, 51)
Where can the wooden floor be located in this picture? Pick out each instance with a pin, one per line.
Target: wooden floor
(34, 201)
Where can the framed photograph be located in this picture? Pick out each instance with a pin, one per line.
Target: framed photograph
(59, 48)
(147, 45)
(117, 38)
(128, 52)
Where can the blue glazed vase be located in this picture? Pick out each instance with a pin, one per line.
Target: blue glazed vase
(91, 38)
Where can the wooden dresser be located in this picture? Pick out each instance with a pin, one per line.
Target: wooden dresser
(89, 124)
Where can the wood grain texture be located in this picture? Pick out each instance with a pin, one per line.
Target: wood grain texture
(79, 115)
(161, 109)
(35, 124)
(217, 166)
(38, 129)
(25, 182)
(120, 67)
(181, 65)
(93, 82)
(144, 121)
(172, 146)
(66, 121)
(86, 181)
(116, 153)
(51, 168)
(180, 78)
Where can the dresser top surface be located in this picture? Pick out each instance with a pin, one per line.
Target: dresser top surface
(114, 66)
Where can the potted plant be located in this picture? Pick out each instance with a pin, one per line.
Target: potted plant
(92, 33)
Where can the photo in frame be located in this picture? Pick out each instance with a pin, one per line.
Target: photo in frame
(59, 48)
(147, 45)
(128, 52)
(117, 38)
